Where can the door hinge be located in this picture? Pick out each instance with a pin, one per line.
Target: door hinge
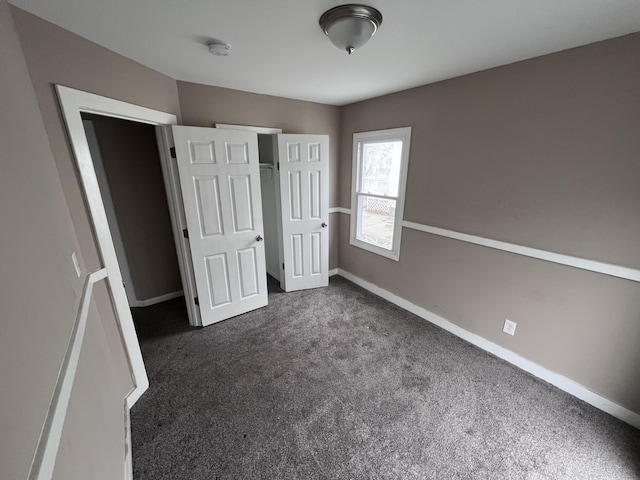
(185, 233)
(172, 150)
(283, 266)
(278, 165)
(196, 301)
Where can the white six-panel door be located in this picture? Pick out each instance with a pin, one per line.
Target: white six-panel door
(220, 181)
(304, 188)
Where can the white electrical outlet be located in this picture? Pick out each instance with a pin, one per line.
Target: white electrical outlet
(509, 327)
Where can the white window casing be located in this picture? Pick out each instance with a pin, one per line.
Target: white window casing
(377, 202)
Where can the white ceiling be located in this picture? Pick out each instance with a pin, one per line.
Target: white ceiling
(279, 49)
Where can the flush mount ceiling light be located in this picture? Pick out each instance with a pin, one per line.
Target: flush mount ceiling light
(219, 48)
(350, 26)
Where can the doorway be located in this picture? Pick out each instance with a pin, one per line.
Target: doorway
(127, 165)
(300, 154)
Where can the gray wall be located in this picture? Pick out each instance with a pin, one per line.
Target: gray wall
(132, 165)
(55, 56)
(40, 291)
(93, 438)
(204, 106)
(542, 153)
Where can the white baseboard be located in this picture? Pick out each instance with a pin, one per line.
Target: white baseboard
(128, 454)
(333, 272)
(275, 275)
(563, 383)
(161, 298)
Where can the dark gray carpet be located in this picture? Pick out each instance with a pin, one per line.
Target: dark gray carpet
(337, 383)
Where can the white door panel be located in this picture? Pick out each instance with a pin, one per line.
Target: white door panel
(220, 181)
(304, 189)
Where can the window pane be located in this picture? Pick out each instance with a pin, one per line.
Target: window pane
(377, 217)
(380, 165)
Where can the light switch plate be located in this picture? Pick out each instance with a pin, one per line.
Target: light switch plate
(74, 259)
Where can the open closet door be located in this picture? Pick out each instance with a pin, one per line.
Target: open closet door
(220, 183)
(304, 191)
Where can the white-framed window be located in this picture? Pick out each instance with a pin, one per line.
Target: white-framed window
(379, 179)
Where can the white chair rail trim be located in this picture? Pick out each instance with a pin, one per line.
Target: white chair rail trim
(619, 271)
(568, 260)
(161, 298)
(346, 211)
(45, 457)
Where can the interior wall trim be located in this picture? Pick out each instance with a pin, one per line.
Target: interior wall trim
(160, 298)
(619, 271)
(72, 103)
(128, 451)
(568, 260)
(346, 211)
(555, 379)
(45, 457)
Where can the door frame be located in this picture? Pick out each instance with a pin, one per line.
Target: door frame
(249, 128)
(73, 103)
(164, 137)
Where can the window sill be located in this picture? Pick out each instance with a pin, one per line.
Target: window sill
(390, 254)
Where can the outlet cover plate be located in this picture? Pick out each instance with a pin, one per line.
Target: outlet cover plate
(509, 327)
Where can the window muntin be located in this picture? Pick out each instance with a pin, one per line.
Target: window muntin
(379, 177)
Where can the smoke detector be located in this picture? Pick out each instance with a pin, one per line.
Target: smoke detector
(219, 48)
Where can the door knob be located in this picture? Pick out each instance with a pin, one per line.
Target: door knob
(259, 238)
(324, 225)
